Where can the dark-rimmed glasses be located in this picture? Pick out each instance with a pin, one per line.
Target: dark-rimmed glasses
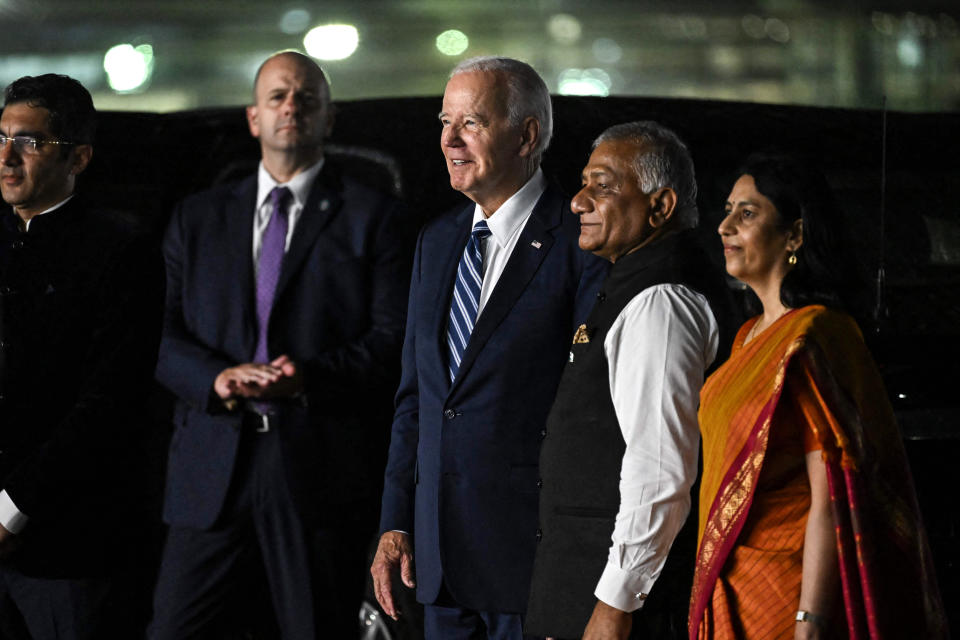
(28, 145)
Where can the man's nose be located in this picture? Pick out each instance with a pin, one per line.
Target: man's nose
(450, 136)
(8, 155)
(580, 203)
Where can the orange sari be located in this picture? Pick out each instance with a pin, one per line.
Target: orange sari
(806, 383)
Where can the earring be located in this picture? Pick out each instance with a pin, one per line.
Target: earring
(792, 260)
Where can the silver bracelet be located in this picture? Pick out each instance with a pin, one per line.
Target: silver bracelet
(806, 616)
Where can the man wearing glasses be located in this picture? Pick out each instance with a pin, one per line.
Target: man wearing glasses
(79, 307)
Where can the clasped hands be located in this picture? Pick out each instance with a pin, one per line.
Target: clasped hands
(281, 378)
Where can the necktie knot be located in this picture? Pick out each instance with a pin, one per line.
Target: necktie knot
(279, 196)
(481, 230)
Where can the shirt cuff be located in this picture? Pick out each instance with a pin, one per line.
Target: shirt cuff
(622, 589)
(11, 518)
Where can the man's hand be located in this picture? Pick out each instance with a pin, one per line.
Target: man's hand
(279, 379)
(608, 623)
(393, 551)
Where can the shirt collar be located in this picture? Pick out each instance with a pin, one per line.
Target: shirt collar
(504, 221)
(299, 184)
(26, 226)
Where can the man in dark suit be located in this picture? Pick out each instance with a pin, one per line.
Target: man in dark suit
(284, 313)
(497, 290)
(80, 296)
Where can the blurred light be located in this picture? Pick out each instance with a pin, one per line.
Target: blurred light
(331, 41)
(694, 28)
(128, 68)
(902, 396)
(452, 42)
(909, 52)
(295, 21)
(777, 30)
(753, 26)
(584, 82)
(564, 28)
(726, 60)
(607, 50)
(883, 22)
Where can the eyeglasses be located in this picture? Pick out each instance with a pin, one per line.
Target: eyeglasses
(28, 144)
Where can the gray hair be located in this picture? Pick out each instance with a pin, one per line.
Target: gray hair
(527, 94)
(662, 160)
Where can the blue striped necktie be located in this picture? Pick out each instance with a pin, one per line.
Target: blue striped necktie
(466, 297)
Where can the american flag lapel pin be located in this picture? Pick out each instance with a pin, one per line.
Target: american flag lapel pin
(535, 244)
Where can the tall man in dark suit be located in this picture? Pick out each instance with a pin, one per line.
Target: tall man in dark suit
(283, 323)
(497, 289)
(79, 325)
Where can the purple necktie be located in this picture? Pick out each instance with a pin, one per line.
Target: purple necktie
(271, 259)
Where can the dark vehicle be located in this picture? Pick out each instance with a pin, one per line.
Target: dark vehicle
(893, 173)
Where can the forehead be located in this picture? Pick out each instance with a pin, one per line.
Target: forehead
(479, 91)
(613, 156)
(288, 71)
(21, 117)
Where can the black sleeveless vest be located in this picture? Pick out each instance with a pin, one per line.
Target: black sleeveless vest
(583, 449)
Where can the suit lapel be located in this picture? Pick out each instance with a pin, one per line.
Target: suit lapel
(532, 247)
(324, 200)
(238, 215)
(441, 282)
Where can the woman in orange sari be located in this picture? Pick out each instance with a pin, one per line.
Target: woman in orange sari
(809, 526)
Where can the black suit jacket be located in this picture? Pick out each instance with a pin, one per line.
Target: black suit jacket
(80, 304)
(338, 312)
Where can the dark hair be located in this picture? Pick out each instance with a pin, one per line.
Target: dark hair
(825, 272)
(72, 116)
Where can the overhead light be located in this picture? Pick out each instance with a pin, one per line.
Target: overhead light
(128, 68)
(331, 41)
(584, 82)
(452, 42)
(295, 21)
(564, 28)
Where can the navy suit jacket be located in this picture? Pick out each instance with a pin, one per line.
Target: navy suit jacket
(338, 312)
(462, 472)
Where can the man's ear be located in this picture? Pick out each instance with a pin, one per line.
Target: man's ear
(529, 135)
(663, 202)
(82, 155)
(253, 121)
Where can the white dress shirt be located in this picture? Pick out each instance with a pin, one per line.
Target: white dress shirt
(505, 225)
(299, 186)
(11, 518)
(657, 351)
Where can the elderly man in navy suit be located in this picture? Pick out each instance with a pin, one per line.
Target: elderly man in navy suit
(283, 323)
(498, 288)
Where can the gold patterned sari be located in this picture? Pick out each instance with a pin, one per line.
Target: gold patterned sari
(806, 383)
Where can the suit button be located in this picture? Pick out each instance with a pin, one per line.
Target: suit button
(5, 291)
(543, 433)
(539, 483)
(539, 535)
(601, 296)
(449, 414)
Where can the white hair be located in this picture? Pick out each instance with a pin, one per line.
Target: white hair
(527, 94)
(662, 160)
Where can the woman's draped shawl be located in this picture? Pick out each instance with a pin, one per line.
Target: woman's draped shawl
(888, 583)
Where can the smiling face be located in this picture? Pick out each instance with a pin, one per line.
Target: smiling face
(486, 155)
(756, 244)
(32, 183)
(292, 113)
(616, 217)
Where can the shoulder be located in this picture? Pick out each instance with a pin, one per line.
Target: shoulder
(358, 192)
(669, 303)
(825, 324)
